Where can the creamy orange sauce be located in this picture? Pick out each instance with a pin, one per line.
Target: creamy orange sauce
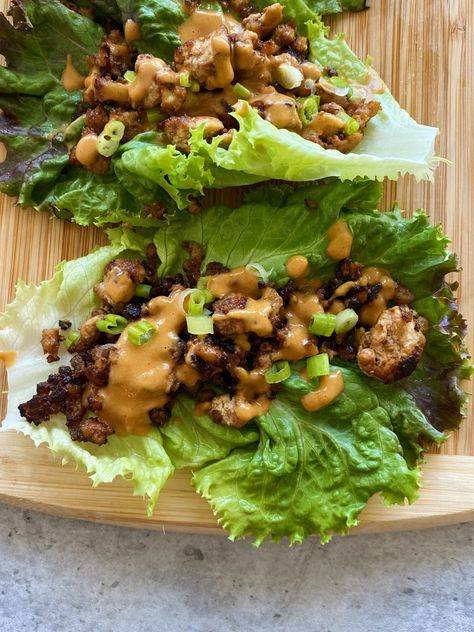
(187, 375)
(251, 398)
(255, 316)
(141, 376)
(246, 411)
(132, 31)
(8, 358)
(71, 79)
(330, 387)
(297, 267)
(298, 342)
(118, 287)
(210, 103)
(279, 109)
(203, 23)
(371, 312)
(340, 241)
(237, 281)
(86, 150)
(146, 70)
(223, 69)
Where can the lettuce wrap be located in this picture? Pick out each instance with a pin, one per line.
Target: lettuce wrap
(288, 473)
(35, 122)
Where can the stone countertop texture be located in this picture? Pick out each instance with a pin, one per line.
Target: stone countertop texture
(70, 576)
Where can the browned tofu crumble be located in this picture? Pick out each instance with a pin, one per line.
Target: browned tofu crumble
(224, 57)
(113, 385)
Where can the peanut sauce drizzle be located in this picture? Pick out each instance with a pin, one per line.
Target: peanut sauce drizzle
(71, 79)
(340, 241)
(8, 358)
(141, 377)
(202, 23)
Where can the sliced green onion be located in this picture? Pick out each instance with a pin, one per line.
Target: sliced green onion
(197, 300)
(282, 281)
(346, 320)
(351, 126)
(140, 333)
(195, 87)
(241, 92)
(71, 339)
(260, 270)
(130, 76)
(279, 372)
(142, 290)
(109, 141)
(112, 324)
(318, 365)
(200, 325)
(155, 116)
(339, 82)
(202, 285)
(289, 77)
(322, 324)
(184, 80)
(307, 108)
(74, 129)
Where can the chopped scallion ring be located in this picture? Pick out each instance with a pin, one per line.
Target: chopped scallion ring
(241, 92)
(202, 285)
(260, 270)
(200, 325)
(279, 372)
(184, 80)
(307, 108)
(289, 76)
(112, 324)
(318, 365)
(197, 300)
(346, 320)
(142, 290)
(155, 116)
(140, 333)
(351, 126)
(109, 141)
(322, 324)
(130, 76)
(71, 339)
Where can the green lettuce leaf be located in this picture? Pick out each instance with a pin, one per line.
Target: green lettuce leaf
(36, 47)
(69, 294)
(193, 441)
(159, 21)
(35, 109)
(303, 10)
(312, 472)
(368, 441)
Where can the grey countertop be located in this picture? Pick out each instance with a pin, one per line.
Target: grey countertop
(67, 575)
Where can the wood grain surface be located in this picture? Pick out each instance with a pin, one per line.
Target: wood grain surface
(424, 51)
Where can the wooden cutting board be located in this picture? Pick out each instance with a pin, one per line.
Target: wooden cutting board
(423, 50)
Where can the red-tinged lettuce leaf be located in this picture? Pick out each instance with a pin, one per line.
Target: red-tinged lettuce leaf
(35, 109)
(436, 385)
(30, 130)
(36, 46)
